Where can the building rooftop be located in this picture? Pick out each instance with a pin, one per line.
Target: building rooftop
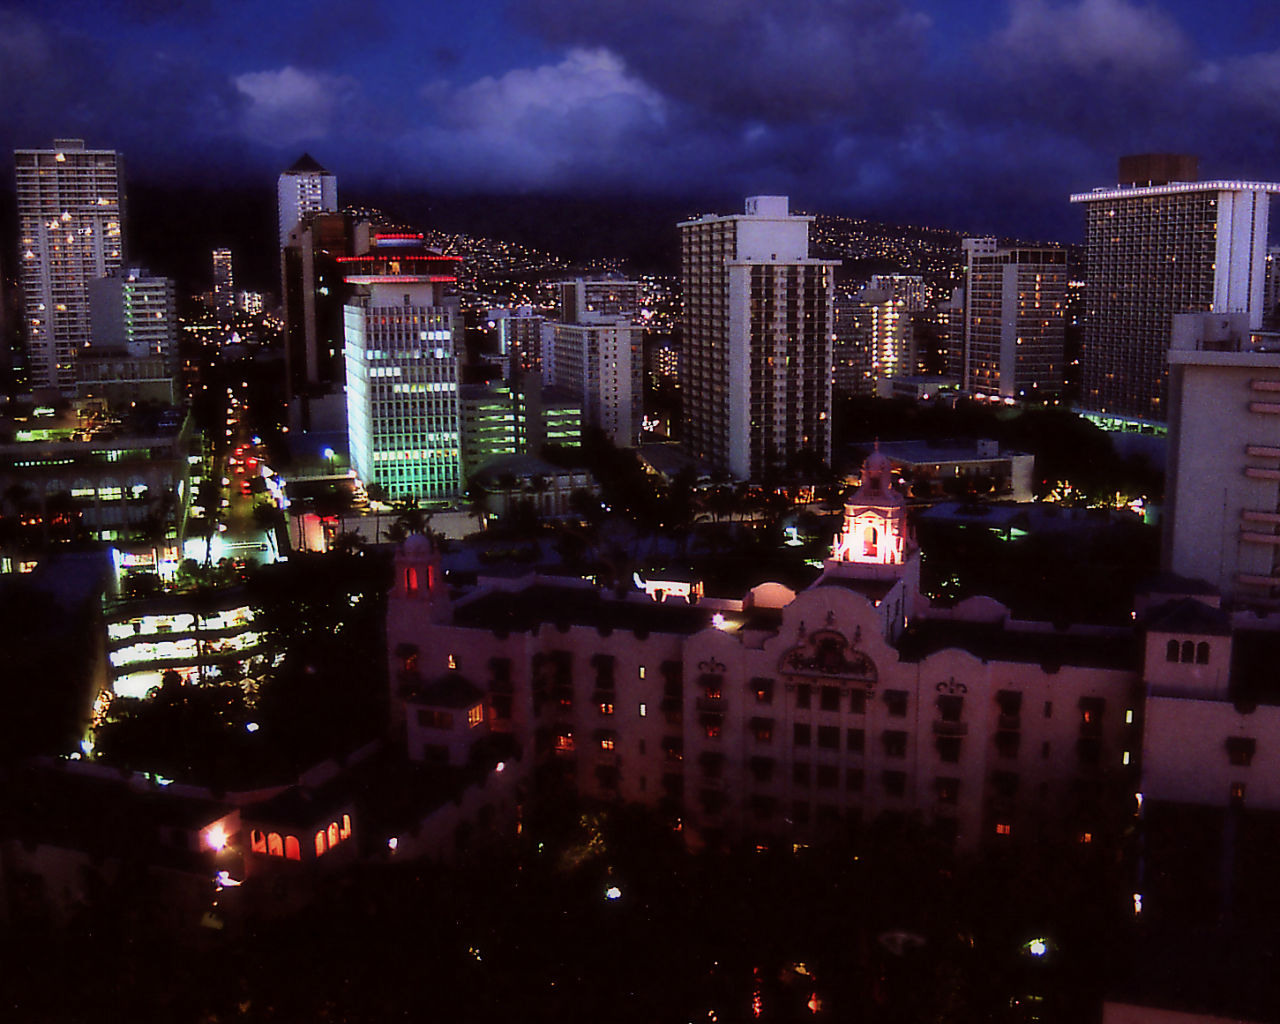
(994, 642)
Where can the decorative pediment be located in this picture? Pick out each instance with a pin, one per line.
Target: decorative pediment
(826, 653)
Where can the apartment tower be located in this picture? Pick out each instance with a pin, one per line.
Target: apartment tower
(304, 188)
(758, 322)
(70, 212)
(1158, 244)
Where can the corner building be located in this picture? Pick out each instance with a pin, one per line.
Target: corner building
(788, 717)
(758, 322)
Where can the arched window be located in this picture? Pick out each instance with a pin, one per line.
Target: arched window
(1171, 651)
(275, 846)
(292, 850)
(411, 580)
(320, 843)
(869, 539)
(1202, 653)
(257, 841)
(345, 831)
(1188, 651)
(333, 833)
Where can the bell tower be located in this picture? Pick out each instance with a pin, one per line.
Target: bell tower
(876, 531)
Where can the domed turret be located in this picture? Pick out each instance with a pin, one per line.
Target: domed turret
(876, 531)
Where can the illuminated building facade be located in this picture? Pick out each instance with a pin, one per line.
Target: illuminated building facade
(70, 212)
(601, 363)
(1015, 322)
(1157, 246)
(135, 312)
(514, 418)
(224, 285)
(582, 299)
(402, 335)
(757, 353)
(304, 188)
(519, 339)
(791, 717)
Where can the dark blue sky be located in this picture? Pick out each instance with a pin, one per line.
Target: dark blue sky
(976, 115)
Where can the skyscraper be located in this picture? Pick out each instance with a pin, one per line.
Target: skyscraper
(70, 211)
(1158, 244)
(224, 285)
(756, 374)
(304, 188)
(402, 339)
(1015, 321)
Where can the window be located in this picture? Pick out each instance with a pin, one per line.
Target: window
(475, 716)
(763, 689)
(800, 773)
(1237, 794)
(762, 729)
(853, 780)
(1048, 709)
(829, 737)
(858, 702)
(257, 841)
(948, 749)
(1010, 702)
(1007, 743)
(947, 790)
(1005, 783)
(411, 580)
(828, 776)
(804, 695)
(606, 708)
(800, 734)
(1171, 651)
(564, 741)
(895, 743)
(895, 783)
(800, 812)
(1240, 750)
(830, 698)
(292, 849)
(762, 768)
(855, 740)
(1003, 829)
(1188, 651)
(896, 700)
(321, 846)
(1202, 653)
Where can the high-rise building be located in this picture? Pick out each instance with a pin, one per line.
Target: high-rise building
(519, 338)
(1158, 244)
(70, 213)
(134, 311)
(851, 347)
(1015, 321)
(224, 285)
(402, 342)
(756, 371)
(304, 188)
(580, 299)
(602, 364)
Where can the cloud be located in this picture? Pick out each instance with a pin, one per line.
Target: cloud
(573, 121)
(287, 106)
(1107, 39)
(775, 60)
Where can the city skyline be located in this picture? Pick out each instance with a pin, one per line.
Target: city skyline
(889, 109)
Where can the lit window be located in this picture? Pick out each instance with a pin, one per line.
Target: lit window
(475, 715)
(606, 709)
(453, 661)
(1003, 829)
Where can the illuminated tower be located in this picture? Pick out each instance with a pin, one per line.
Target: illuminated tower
(402, 339)
(224, 286)
(1158, 244)
(756, 370)
(70, 209)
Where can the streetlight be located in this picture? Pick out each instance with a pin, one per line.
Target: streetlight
(328, 457)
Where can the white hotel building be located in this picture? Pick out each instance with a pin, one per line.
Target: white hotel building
(402, 338)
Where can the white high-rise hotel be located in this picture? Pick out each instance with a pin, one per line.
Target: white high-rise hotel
(70, 202)
(402, 368)
(1159, 244)
(304, 188)
(757, 355)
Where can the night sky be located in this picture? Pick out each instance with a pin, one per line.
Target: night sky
(976, 115)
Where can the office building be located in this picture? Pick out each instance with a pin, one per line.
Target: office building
(402, 342)
(304, 188)
(516, 417)
(224, 285)
(1015, 301)
(1159, 244)
(600, 363)
(70, 215)
(1223, 487)
(757, 358)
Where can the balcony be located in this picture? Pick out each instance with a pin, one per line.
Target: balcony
(711, 705)
(1009, 723)
(945, 728)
